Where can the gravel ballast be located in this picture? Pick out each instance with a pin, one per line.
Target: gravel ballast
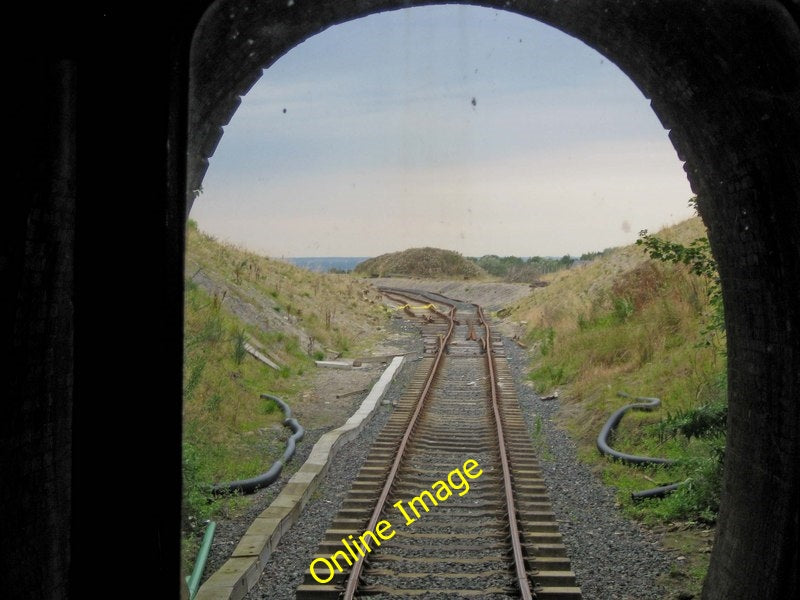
(288, 564)
(613, 558)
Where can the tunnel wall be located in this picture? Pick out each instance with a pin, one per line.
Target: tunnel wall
(110, 128)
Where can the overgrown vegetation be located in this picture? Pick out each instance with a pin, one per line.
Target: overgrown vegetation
(420, 262)
(650, 324)
(704, 422)
(587, 256)
(234, 299)
(520, 270)
(228, 432)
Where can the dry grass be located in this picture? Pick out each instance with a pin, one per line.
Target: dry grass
(328, 313)
(625, 323)
(294, 316)
(421, 262)
(589, 288)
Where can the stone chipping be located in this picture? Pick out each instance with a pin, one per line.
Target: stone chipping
(613, 557)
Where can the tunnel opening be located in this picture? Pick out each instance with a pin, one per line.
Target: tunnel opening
(699, 88)
(102, 129)
(415, 151)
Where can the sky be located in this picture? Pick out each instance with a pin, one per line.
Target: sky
(458, 127)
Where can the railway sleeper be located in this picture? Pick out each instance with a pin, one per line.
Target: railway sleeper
(469, 581)
(538, 526)
(558, 593)
(480, 534)
(540, 579)
(542, 537)
(381, 592)
(489, 546)
(458, 448)
(544, 549)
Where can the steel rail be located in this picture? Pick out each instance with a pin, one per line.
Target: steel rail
(393, 293)
(355, 572)
(516, 545)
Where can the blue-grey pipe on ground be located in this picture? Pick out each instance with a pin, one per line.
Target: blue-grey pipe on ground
(193, 580)
(633, 459)
(656, 492)
(248, 486)
(611, 425)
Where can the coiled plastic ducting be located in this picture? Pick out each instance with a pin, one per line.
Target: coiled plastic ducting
(611, 425)
(603, 446)
(656, 492)
(248, 486)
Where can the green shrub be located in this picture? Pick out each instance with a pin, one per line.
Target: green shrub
(212, 329)
(544, 337)
(269, 406)
(195, 490)
(549, 376)
(239, 339)
(194, 368)
(623, 309)
(695, 422)
(214, 401)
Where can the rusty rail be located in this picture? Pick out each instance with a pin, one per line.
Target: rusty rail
(526, 593)
(516, 545)
(355, 573)
(396, 295)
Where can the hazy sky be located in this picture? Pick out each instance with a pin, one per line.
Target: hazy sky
(459, 127)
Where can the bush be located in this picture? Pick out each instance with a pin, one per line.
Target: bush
(544, 337)
(269, 406)
(623, 309)
(699, 421)
(698, 498)
(549, 376)
(239, 351)
(642, 329)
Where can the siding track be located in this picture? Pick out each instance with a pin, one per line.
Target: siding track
(497, 540)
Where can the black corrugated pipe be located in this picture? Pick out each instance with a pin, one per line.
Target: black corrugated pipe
(248, 486)
(632, 459)
(611, 425)
(656, 492)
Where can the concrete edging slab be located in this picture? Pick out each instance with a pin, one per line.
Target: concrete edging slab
(240, 572)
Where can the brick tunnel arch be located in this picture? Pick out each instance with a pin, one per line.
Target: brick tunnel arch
(724, 79)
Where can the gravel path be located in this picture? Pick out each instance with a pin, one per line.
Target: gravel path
(613, 557)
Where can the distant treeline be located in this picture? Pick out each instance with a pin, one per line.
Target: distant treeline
(327, 264)
(528, 270)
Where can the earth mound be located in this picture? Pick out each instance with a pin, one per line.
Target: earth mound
(421, 262)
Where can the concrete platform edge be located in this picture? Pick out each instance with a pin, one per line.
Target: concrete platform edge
(263, 535)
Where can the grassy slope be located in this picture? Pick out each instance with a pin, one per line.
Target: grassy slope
(421, 262)
(627, 323)
(292, 314)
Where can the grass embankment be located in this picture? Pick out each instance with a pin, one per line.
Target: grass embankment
(233, 297)
(428, 263)
(625, 322)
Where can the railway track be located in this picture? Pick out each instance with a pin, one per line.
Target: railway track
(450, 502)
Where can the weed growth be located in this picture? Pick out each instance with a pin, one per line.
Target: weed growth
(230, 432)
(239, 336)
(649, 323)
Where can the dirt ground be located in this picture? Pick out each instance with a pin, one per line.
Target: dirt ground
(335, 393)
(492, 295)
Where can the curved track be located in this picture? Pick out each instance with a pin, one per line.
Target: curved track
(496, 539)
